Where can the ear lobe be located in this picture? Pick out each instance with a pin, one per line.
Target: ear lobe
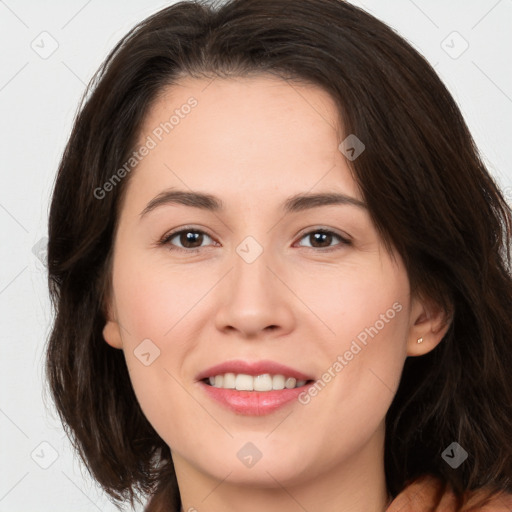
(430, 324)
(111, 330)
(112, 334)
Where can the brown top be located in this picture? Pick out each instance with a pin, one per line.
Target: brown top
(429, 494)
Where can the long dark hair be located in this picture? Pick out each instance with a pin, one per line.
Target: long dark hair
(427, 190)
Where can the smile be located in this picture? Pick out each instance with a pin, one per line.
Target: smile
(264, 382)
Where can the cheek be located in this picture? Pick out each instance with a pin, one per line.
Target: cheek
(357, 301)
(163, 310)
(153, 300)
(157, 308)
(367, 313)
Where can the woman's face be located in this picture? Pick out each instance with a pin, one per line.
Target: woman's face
(255, 284)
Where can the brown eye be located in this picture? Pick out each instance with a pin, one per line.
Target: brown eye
(189, 240)
(323, 238)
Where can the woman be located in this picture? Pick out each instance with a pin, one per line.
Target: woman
(210, 349)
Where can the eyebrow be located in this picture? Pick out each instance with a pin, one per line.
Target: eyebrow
(208, 202)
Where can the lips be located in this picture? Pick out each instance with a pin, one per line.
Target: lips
(254, 403)
(253, 368)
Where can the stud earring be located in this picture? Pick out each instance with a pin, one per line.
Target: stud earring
(420, 340)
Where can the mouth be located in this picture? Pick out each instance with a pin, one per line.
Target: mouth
(262, 383)
(254, 389)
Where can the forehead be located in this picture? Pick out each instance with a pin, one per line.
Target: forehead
(243, 136)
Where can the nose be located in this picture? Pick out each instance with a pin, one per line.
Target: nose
(254, 300)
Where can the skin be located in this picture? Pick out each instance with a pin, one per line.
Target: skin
(254, 142)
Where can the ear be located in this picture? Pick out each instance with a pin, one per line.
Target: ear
(429, 323)
(112, 330)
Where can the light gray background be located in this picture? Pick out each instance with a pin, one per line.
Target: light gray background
(39, 95)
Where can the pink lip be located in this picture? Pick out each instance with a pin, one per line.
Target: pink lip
(253, 403)
(252, 368)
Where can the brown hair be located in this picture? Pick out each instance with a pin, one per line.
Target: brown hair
(427, 190)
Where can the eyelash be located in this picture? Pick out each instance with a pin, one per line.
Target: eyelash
(168, 237)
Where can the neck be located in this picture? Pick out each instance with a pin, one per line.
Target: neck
(356, 485)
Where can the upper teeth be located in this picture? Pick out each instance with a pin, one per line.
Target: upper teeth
(265, 382)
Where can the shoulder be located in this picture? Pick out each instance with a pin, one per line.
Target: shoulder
(430, 494)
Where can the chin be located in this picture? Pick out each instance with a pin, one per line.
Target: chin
(256, 463)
